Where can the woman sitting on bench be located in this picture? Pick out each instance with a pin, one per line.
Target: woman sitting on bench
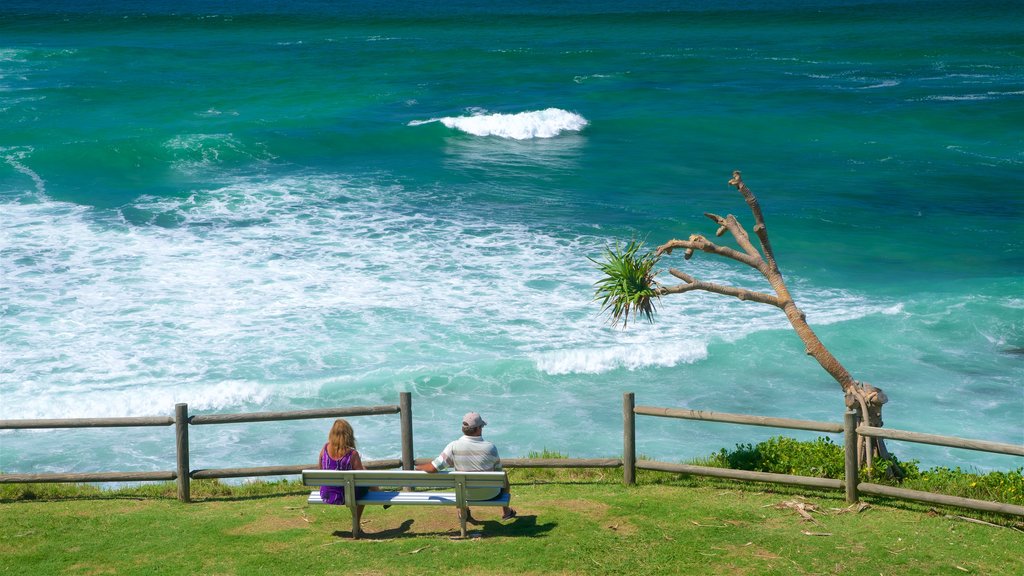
(339, 453)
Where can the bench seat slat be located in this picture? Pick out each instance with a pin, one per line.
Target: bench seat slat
(399, 478)
(417, 499)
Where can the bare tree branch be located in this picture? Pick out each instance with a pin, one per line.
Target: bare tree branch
(732, 225)
(690, 284)
(698, 242)
(759, 226)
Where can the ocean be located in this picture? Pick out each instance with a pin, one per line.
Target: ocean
(263, 206)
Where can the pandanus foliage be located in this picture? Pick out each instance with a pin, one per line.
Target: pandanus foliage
(627, 286)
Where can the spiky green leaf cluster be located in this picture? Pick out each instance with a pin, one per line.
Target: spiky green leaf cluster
(628, 287)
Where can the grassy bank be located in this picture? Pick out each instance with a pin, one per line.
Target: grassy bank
(570, 522)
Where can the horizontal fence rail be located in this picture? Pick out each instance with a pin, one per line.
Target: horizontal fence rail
(88, 477)
(849, 428)
(86, 423)
(748, 475)
(932, 498)
(935, 439)
(739, 419)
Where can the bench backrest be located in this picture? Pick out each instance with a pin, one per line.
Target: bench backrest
(403, 478)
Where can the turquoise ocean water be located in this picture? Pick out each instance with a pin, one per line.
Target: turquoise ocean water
(274, 206)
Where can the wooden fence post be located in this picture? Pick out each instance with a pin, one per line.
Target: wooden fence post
(628, 440)
(850, 445)
(181, 436)
(405, 414)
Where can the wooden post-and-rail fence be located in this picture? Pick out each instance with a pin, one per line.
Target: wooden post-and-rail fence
(629, 463)
(850, 430)
(181, 421)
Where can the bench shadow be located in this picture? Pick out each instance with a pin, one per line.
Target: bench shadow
(401, 531)
(523, 526)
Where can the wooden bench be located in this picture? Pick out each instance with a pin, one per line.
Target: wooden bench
(457, 486)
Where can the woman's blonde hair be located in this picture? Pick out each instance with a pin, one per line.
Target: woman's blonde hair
(341, 438)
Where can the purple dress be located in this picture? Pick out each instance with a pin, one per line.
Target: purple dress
(336, 494)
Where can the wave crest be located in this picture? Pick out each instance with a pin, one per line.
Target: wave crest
(522, 126)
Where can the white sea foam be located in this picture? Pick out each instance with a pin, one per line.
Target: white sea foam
(989, 95)
(882, 84)
(12, 55)
(630, 357)
(959, 97)
(1017, 158)
(142, 398)
(15, 158)
(986, 77)
(582, 79)
(261, 284)
(893, 310)
(196, 152)
(522, 126)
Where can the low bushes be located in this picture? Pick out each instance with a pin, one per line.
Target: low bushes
(822, 458)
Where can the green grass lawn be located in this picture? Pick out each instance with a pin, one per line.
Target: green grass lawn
(569, 523)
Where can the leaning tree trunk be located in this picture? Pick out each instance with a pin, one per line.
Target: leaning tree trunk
(864, 398)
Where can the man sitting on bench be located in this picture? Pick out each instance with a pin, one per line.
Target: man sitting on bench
(471, 453)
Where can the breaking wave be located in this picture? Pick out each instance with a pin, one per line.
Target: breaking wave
(522, 126)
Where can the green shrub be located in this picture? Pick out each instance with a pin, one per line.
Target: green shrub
(997, 486)
(819, 458)
(822, 458)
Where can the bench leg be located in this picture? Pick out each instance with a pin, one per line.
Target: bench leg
(463, 516)
(355, 522)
